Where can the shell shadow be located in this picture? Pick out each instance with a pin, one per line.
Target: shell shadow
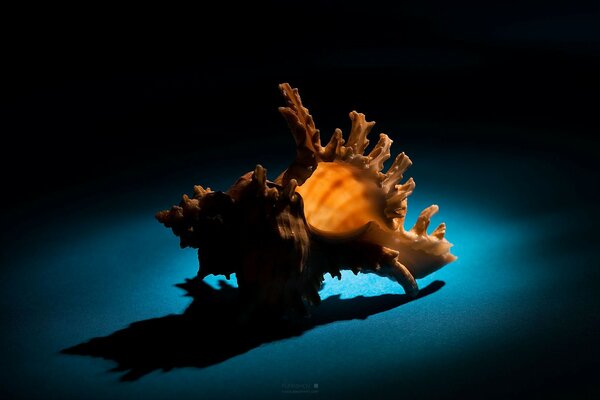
(212, 329)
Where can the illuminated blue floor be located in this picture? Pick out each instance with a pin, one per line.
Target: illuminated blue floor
(521, 289)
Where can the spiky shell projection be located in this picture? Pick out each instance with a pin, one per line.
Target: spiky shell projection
(332, 209)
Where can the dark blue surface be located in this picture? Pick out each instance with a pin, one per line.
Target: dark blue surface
(519, 309)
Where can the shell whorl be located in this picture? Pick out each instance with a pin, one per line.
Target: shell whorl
(311, 153)
(346, 192)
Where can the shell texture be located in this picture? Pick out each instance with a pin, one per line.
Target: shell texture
(333, 208)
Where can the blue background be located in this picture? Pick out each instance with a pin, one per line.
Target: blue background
(518, 310)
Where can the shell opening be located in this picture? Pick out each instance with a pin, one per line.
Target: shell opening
(340, 201)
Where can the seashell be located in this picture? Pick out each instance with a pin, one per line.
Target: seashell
(332, 209)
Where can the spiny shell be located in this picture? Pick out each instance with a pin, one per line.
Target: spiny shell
(332, 209)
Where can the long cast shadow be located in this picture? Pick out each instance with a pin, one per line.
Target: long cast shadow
(212, 329)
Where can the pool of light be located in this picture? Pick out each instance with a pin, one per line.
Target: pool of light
(88, 277)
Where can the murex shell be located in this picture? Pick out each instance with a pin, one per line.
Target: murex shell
(332, 209)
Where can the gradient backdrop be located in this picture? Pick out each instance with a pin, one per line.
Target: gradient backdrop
(110, 114)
